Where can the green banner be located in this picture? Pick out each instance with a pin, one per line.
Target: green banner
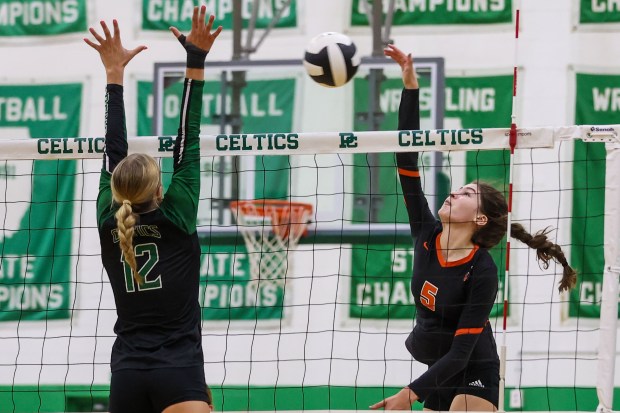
(484, 102)
(161, 14)
(266, 105)
(376, 270)
(437, 12)
(227, 291)
(380, 286)
(599, 11)
(42, 17)
(36, 204)
(597, 103)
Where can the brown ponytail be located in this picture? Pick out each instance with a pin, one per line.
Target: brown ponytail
(125, 221)
(494, 206)
(545, 252)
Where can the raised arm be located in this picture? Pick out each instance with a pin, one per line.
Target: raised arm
(180, 203)
(420, 216)
(114, 57)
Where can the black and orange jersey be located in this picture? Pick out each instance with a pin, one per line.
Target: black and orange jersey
(158, 321)
(453, 298)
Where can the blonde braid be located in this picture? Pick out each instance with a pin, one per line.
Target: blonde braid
(125, 221)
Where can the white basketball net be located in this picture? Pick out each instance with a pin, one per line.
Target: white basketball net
(270, 230)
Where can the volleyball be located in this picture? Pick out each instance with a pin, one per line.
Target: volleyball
(331, 59)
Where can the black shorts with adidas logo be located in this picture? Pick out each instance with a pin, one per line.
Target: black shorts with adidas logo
(480, 379)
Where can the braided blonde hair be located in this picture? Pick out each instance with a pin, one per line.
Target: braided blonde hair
(135, 182)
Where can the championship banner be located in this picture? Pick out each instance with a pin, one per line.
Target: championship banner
(597, 101)
(437, 12)
(228, 292)
(42, 17)
(599, 11)
(36, 204)
(161, 14)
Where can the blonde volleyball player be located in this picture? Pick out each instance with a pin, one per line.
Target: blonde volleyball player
(149, 245)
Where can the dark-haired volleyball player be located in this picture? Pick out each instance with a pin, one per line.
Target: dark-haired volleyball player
(149, 244)
(454, 280)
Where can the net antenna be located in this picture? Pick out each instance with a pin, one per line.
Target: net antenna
(513, 143)
(270, 229)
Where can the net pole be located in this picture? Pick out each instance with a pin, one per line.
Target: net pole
(513, 144)
(611, 273)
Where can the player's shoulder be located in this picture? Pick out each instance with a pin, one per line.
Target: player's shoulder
(484, 263)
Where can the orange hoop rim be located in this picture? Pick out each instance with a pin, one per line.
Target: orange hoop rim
(260, 207)
(287, 218)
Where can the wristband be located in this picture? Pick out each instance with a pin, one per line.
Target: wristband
(195, 55)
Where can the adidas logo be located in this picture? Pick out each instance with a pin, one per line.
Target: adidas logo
(476, 383)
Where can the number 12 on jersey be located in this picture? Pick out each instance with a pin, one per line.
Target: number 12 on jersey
(140, 250)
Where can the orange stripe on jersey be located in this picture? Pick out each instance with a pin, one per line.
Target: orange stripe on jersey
(412, 174)
(442, 260)
(463, 331)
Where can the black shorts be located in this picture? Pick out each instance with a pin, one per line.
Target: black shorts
(153, 390)
(478, 379)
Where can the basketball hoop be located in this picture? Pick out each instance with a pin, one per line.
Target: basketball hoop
(270, 229)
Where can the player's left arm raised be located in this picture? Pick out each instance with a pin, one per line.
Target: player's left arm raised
(181, 199)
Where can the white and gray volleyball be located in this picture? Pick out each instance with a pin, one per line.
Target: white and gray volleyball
(331, 59)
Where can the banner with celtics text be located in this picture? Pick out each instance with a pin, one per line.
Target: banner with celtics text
(597, 102)
(266, 105)
(437, 12)
(381, 274)
(599, 11)
(20, 18)
(161, 14)
(36, 204)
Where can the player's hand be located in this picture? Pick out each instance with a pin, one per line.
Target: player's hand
(200, 35)
(400, 401)
(405, 61)
(110, 47)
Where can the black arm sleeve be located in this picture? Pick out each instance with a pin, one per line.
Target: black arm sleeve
(420, 216)
(115, 148)
(116, 130)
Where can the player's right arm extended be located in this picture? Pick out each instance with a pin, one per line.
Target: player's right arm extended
(115, 147)
(420, 215)
(181, 200)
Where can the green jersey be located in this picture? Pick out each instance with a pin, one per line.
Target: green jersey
(158, 320)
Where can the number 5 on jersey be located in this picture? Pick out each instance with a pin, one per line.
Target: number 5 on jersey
(152, 259)
(428, 294)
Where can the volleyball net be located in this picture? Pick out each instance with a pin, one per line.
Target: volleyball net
(328, 331)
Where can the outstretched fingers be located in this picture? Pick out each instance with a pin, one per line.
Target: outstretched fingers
(117, 30)
(396, 54)
(195, 19)
(202, 14)
(134, 52)
(96, 35)
(175, 31)
(379, 405)
(106, 31)
(91, 44)
(209, 23)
